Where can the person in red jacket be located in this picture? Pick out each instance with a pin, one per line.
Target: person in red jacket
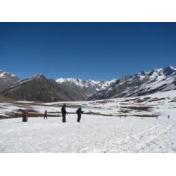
(24, 116)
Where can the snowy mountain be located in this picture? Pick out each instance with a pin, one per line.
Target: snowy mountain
(39, 88)
(142, 83)
(89, 87)
(6, 79)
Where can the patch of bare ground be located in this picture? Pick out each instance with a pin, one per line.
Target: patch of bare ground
(139, 108)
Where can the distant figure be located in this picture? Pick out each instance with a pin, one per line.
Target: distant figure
(24, 116)
(79, 112)
(168, 116)
(45, 114)
(64, 112)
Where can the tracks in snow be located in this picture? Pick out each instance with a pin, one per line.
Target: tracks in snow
(155, 136)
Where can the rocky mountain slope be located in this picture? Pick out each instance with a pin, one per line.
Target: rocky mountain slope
(39, 88)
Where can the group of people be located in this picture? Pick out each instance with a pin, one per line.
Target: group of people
(79, 112)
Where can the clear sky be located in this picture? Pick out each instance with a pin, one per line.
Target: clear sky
(99, 51)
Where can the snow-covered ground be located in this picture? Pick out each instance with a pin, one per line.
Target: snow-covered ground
(118, 125)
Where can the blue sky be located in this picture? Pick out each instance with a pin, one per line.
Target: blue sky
(99, 51)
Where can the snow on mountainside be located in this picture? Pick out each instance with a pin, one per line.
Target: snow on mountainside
(142, 83)
(86, 83)
(6, 79)
(88, 86)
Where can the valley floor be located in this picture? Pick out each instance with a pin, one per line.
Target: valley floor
(103, 129)
(93, 134)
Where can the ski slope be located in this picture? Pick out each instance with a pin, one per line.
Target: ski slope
(103, 129)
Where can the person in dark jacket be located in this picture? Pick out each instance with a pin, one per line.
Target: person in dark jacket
(64, 112)
(79, 112)
(24, 116)
(45, 114)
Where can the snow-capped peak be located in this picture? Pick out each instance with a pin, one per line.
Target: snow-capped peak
(6, 79)
(6, 74)
(73, 80)
(38, 76)
(85, 83)
(157, 74)
(88, 86)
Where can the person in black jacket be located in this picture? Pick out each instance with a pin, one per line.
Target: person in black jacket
(45, 114)
(79, 112)
(64, 112)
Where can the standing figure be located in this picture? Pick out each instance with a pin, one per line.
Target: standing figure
(45, 114)
(79, 112)
(64, 112)
(24, 116)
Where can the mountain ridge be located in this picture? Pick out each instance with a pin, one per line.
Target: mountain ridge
(39, 88)
(73, 89)
(141, 83)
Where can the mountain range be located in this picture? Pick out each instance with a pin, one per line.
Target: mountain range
(89, 87)
(40, 88)
(142, 83)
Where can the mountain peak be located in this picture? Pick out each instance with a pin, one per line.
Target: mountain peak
(170, 70)
(7, 79)
(39, 76)
(89, 87)
(4, 74)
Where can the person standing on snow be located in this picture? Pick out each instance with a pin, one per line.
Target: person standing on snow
(64, 112)
(79, 112)
(24, 116)
(45, 114)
